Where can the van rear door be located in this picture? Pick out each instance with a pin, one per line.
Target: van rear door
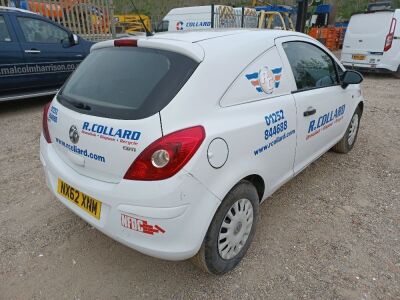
(365, 37)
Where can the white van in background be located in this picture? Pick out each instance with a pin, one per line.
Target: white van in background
(372, 42)
(208, 16)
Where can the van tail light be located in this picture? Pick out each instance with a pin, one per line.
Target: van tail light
(45, 125)
(390, 36)
(166, 156)
(125, 43)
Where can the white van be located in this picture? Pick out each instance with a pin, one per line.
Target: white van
(372, 42)
(208, 16)
(174, 155)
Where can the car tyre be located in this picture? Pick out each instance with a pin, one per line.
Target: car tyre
(349, 139)
(239, 211)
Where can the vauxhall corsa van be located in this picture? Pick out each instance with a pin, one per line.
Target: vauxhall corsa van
(174, 155)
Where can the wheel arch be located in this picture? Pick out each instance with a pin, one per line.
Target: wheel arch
(258, 183)
(255, 179)
(361, 107)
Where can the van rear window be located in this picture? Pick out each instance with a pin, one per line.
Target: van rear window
(126, 83)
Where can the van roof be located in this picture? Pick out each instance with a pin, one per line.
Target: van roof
(193, 9)
(195, 36)
(375, 12)
(188, 42)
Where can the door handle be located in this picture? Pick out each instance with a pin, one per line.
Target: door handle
(33, 51)
(310, 111)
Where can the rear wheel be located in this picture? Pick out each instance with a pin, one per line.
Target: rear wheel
(231, 231)
(350, 137)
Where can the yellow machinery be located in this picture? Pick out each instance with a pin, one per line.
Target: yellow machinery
(275, 20)
(131, 23)
(259, 3)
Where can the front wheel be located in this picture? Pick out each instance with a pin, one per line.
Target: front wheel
(231, 230)
(350, 137)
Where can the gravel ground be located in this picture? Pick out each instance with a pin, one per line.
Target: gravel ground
(330, 233)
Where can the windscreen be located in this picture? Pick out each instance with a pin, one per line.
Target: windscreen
(126, 82)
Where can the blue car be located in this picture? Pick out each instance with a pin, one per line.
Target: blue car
(36, 54)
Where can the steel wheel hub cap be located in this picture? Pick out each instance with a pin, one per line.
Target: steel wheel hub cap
(235, 229)
(353, 130)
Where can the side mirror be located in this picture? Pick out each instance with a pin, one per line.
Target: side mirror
(351, 77)
(72, 40)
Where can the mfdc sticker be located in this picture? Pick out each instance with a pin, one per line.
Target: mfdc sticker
(265, 80)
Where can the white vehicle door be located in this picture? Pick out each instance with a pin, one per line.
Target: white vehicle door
(322, 104)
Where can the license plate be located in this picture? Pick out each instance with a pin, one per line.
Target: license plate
(358, 57)
(89, 204)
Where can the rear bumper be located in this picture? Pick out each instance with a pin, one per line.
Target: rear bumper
(367, 68)
(372, 62)
(178, 210)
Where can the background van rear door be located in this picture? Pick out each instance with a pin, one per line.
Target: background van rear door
(365, 36)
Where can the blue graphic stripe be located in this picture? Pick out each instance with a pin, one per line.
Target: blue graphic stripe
(277, 70)
(252, 76)
(259, 89)
(277, 84)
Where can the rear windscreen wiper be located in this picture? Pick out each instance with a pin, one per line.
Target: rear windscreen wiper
(80, 105)
(74, 103)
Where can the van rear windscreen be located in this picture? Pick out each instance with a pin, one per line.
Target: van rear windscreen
(126, 83)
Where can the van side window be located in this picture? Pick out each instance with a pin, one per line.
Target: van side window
(4, 34)
(163, 26)
(265, 77)
(312, 67)
(38, 31)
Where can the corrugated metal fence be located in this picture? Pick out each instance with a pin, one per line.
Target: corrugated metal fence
(91, 19)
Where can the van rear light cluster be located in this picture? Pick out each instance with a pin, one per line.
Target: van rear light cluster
(45, 125)
(390, 36)
(125, 43)
(166, 156)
